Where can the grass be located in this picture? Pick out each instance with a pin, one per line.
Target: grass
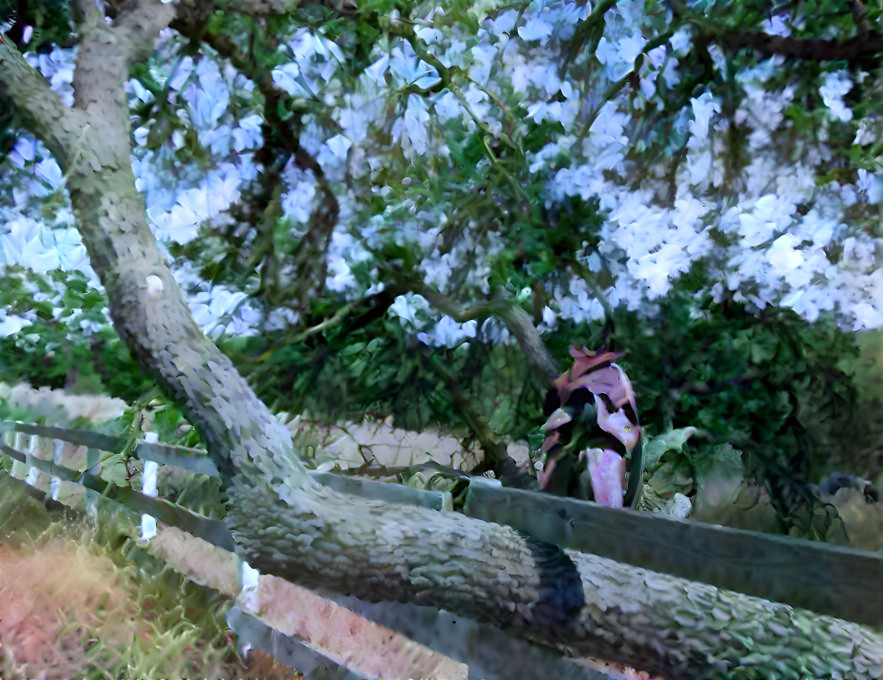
(81, 601)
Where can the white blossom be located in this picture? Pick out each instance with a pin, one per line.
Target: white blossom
(836, 85)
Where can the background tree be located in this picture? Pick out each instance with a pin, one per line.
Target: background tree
(377, 165)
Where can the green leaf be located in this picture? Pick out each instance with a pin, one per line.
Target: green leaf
(656, 447)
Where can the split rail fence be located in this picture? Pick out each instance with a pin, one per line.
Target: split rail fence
(335, 636)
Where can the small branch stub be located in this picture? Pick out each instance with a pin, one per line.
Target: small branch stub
(154, 287)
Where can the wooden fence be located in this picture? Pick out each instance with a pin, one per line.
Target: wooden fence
(321, 636)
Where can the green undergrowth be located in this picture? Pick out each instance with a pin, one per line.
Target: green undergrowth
(789, 401)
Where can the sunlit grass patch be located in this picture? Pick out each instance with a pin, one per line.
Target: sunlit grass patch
(77, 602)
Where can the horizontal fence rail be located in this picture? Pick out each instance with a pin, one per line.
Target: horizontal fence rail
(314, 634)
(66, 466)
(828, 579)
(834, 580)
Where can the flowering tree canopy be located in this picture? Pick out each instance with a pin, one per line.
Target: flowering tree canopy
(592, 149)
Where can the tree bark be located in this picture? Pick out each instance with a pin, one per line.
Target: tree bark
(287, 525)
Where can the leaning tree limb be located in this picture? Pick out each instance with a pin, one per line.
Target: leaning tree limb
(288, 525)
(246, 441)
